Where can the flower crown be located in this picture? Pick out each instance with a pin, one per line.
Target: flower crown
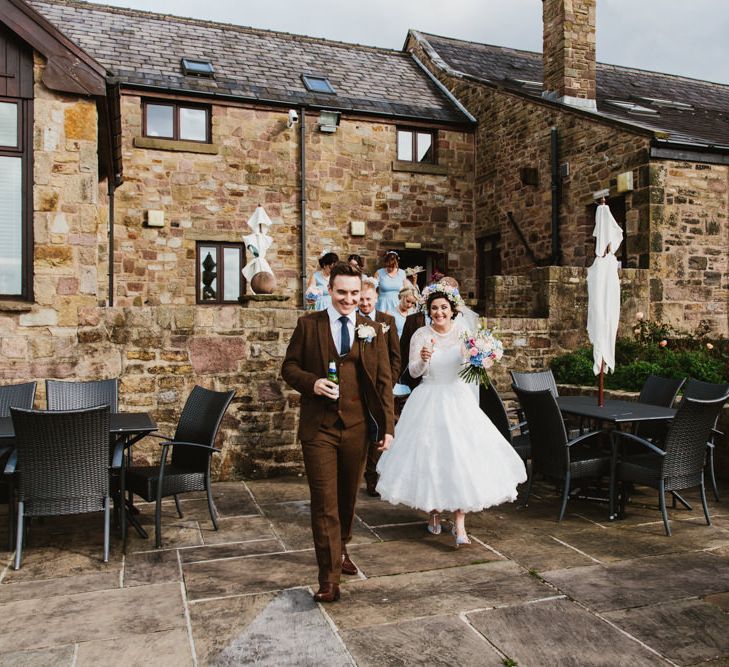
(447, 291)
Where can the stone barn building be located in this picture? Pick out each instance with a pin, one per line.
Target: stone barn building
(134, 146)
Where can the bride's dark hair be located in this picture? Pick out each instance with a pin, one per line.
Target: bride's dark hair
(441, 295)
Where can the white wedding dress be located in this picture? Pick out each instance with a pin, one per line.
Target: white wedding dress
(446, 455)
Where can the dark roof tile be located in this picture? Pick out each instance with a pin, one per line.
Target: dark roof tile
(144, 48)
(706, 122)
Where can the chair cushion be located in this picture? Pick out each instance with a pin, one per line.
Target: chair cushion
(142, 480)
(588, 462)
(640, 468)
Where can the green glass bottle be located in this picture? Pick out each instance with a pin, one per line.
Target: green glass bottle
(332, 374)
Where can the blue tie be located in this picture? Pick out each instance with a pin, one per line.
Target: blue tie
(345, 345)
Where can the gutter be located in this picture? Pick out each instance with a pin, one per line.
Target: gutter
(302, 189)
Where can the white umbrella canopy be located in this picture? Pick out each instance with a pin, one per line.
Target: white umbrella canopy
(603, 290)
(257, 244)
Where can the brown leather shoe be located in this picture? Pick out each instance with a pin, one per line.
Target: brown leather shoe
(372, 489)
(348, 567)
(327, 593)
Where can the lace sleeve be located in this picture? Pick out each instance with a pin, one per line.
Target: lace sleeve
(416, 366)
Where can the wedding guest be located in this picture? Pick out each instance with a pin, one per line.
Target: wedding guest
(446, 455)
(356, 261)
(391, 279)
(367, 301)
(411, 273)
(333, 427)
(319, 281)
(406, 306)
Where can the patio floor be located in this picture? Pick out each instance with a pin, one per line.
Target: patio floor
(529, 590)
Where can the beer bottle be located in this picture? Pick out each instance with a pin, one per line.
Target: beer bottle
(332, 375)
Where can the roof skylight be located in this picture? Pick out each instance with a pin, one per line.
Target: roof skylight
(667, 104)
(197, 67)
(632, 107)
(318, 84)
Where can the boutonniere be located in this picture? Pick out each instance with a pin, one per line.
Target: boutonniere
(385, 327)
(366, 332)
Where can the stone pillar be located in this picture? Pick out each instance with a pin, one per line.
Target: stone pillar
(569, 52)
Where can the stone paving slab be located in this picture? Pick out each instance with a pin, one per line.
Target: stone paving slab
(58, 656)
(90, 616)
(278, 490)
(558, 632)
(438, 640)
(536, 552)
(289, 630)
(643, 581)
(257, 574)
(170, 648)
(429, 553)
(292, 523)
(445, 592)
(151, 567)
(47, 588)
(233, 550)
(236, 529)
(376, 512)
(683, 631)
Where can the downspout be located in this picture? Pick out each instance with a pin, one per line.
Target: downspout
(302, 188)
(112, 189)
(556, 259)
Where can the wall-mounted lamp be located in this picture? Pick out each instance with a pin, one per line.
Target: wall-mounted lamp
(328, 121)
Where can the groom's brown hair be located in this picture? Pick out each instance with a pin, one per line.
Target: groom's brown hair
(344, 269)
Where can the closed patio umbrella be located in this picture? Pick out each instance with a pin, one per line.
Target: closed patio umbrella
(603, 290)
(257, 244)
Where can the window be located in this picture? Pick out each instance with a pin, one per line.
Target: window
(197, 67)
(488, 260)
(416, 146)
(318, 84)
(219, 278)
(168, 120)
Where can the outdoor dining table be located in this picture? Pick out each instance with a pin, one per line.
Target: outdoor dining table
(126, 429)
(615, 412)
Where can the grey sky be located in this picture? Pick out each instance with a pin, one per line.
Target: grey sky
(686, 37)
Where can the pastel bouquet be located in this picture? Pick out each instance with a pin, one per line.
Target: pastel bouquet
(311, 295)
(481, 350)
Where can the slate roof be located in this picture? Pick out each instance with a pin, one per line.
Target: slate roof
(705, 123)
(144, 49)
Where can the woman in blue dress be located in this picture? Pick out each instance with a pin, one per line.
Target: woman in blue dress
(317, 291)
(406, 306)
(391, 279)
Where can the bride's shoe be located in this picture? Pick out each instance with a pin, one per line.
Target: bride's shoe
(434, 527)
(461, 540)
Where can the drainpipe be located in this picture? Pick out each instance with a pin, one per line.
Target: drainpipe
(302, 188)
(556, 259)
(111, 190)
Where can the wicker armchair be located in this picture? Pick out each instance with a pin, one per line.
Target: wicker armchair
(680, 463)
(495, 410)
(553, 454)
(13, 396)
(661, 391)
(708, 391)
(189, 467)
(63, 465)
(79, 395)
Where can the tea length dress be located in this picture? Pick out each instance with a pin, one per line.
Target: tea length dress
(389, 288)
(446, 455)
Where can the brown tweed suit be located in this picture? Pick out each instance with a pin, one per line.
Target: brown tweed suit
(334, 434)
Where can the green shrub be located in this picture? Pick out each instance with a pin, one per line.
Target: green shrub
(574, 368)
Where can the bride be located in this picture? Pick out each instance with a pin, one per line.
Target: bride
(446, 455)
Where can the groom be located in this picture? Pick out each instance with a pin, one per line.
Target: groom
(334, 428)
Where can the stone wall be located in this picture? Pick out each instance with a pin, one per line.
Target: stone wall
(690, 244)
(350, 176)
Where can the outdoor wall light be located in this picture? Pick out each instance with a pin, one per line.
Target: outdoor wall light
(328, 121)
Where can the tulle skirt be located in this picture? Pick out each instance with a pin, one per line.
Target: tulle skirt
(447, 455)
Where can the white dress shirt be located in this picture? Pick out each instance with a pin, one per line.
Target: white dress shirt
(336, 326)
(370, 315)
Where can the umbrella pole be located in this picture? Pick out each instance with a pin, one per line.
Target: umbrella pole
(601, 390)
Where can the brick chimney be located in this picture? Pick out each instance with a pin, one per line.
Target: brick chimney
(569, 52)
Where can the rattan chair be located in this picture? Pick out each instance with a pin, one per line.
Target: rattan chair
(553, 454)
(535, 381)
(63, 466)
(13, 396)
(189, 467)
(661, 391)
(707, 391)
(62, 395)
(679, 464)
(495, 410)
